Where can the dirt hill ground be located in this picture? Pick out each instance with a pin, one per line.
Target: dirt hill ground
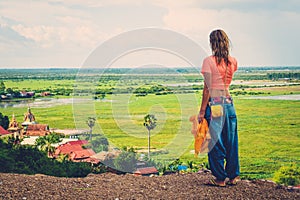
(112, 186)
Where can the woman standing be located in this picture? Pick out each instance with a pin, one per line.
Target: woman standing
(217, 108)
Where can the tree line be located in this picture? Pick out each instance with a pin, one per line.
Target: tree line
(284, 75)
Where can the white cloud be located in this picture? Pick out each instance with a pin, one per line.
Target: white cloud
(262, 32)
(257, 36)
(51, 36)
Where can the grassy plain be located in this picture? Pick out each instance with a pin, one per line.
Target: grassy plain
(31, 84)
(269, 130)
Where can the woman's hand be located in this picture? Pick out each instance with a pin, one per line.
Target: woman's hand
(200, 117)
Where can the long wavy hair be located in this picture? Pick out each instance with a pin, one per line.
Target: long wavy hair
(219, 43)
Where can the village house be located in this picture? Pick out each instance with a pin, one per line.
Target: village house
(83, 156)
(146, 171)
(75, 152)
(25, 94)
(45, 94)
(6, 96)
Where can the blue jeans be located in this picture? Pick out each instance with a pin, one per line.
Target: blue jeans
(224, 143)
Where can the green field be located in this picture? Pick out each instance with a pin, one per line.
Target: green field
(269, 130)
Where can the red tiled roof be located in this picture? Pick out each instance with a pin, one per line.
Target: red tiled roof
(37, 129)
(78, 142)
(67, 148)
(76, 152)
(40, 127)
(3, 131)
(85, 153)
(70, 147)
(146, 171)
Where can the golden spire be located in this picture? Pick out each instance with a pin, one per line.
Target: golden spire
(13, 123)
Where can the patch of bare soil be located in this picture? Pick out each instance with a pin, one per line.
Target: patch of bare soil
(112, 186)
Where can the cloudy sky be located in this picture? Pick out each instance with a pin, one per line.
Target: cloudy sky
(57, 33)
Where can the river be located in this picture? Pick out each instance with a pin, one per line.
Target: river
(50, 102)
(295, 97)
(37, 103)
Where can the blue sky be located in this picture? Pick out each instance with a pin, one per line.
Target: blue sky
(58, 33)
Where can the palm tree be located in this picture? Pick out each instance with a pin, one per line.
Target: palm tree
(149, 123)
(44, 143)
(91, 123)
(62, 157)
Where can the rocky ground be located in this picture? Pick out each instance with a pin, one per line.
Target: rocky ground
(112, 186)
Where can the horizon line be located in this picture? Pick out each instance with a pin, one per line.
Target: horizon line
(148, 67)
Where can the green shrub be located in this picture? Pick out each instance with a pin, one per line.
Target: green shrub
(25, 159)
(126, 161)
(98, 144)
(288, 175)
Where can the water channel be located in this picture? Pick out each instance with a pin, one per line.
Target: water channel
(51, 102)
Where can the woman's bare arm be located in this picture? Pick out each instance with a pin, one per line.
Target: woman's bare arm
(205, 99)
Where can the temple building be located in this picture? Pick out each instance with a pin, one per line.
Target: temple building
(29, 118)
(31, 127)
(14, 128)
(36, 130)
